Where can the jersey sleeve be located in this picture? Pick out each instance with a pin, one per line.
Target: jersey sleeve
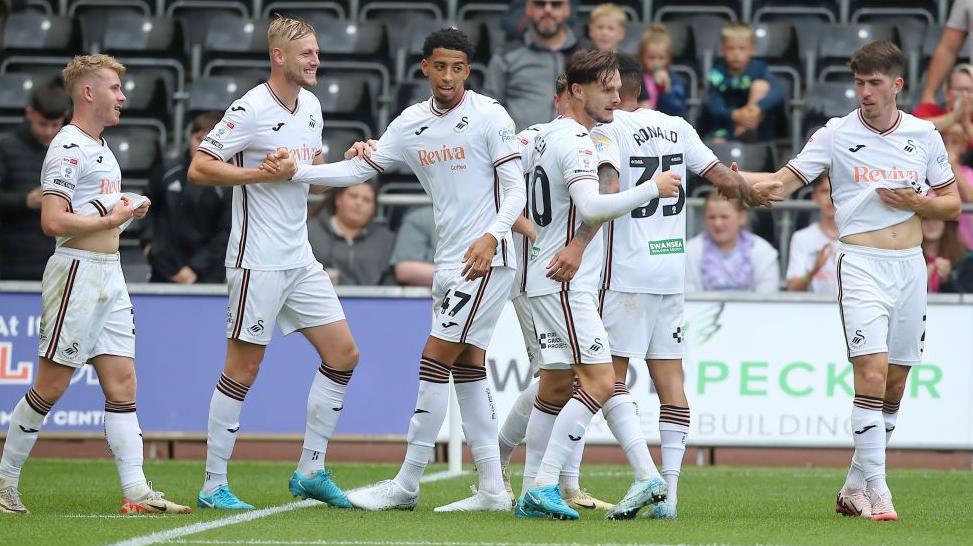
(501, 137)
(388, 152)
(815, 157)
(606, 148)
(576, 159)
(939, 173)
(699, 158)
(62, 170)
(233, 133)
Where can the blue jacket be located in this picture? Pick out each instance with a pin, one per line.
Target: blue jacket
(672, 103)
(726, 93)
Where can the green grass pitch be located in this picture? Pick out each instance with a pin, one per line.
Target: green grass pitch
(721, 505)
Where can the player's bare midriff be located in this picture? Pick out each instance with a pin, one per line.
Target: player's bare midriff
(104, 241)
(907, 234)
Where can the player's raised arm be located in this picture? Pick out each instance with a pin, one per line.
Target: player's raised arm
(383, 155)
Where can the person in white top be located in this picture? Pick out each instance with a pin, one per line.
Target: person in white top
(811, 266)
(564, 263)
(882, 163)
(463, 149)
(564, 191)
(271, 272)
(641, 298)
(86, 315)
(726, 255)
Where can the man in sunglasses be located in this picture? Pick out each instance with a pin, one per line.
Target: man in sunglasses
(539, 56)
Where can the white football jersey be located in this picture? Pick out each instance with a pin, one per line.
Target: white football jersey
(82, 170)
(910, 154)
(563, 154)
(525, 139)
(269, 229)
(454, 153)
(646, 249)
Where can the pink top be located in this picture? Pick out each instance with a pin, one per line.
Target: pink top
(966, 219)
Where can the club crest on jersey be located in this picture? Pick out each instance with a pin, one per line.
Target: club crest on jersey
(910, 146)
(446, 153)
(464, 122)
(311, 122)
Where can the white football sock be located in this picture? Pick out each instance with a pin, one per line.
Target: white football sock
(514, 428)
(479, 415)
(432, 403)
(224, 423)
(25, 422)
(890, 411)
(868, 431)
(569, 428)
(673, 429)
(324, 404)
(623, 420)
(124, 438)
(542, 418)
(570, 478)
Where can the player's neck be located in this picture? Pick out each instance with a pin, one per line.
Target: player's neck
(442, 106)
(581, 117)
(87, 124)
(285, 90)
(885, 119)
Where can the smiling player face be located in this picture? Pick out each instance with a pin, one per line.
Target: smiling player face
(301, 61)
(107, 95)
(447, 70)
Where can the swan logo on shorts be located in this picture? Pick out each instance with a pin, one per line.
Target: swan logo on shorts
(70, 350)
(257, 328)
(858, 339)
(597, 346)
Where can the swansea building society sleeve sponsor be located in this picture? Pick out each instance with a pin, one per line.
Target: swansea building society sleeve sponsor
(666, 246)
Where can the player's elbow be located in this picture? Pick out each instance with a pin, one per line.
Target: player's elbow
(196, 174)
(51, 227)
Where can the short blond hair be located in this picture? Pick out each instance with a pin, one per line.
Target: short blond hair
(287, 29)
(736, 29)
(83, 66)
(657, 34)
(962, 68)
(609, 10)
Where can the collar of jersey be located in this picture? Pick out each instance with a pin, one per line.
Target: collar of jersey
(440, 113)
(873, 129)
(279, 102)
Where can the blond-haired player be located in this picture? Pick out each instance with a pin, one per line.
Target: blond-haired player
(882, 163)
(271, 272)
(87, 316)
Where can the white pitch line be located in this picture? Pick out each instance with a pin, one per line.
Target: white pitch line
(170, 534)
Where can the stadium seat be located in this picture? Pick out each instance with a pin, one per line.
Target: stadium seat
(32, 33)
(135, 266)
(145, 96)
(776, 43)
(838, 42)
(667, 10)
(15, 90)
(337, 140)
(372, 9)
(308, 10)
(364, 40)
(195, 17)
(489, 17)
(346, 98)
(138, 152)
(139, 35)
(95, 14)
(215, 93)
(408, 93)
(231, 39)
(760, 157)
(923, 10)
(825, 100)
(822, 11)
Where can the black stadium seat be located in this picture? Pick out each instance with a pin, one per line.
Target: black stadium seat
(146, 96)
(345, 96)
(337, 140)
(138, 153)
(195, 17)
(15, 90)
(94, 20)
(826, 100)
(837, 43)
(38, 34)
(139, 35)
(309, 10)
(361, 40)
(215, 93)
(236, 35)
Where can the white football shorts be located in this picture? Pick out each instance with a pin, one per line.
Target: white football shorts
(85, 309)
(467, 311)
(882, 302)
(296, 298)
(526, 320)
(569, 330)
(645, 326)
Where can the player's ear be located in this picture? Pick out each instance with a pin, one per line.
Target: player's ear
(424, 66)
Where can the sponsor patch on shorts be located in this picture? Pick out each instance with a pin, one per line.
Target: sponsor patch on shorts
(666, 246)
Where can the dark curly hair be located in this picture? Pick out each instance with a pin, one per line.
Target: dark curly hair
(448, 38)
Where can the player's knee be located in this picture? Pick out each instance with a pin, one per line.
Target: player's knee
(895, 391)
(873, 379)
(600, 388)
(122, 386)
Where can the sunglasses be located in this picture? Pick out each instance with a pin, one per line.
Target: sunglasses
(553, 4)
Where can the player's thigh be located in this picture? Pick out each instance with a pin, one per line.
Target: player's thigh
(334, 344)
(116, 374)
(863, 305)
(526, 321)
(255, 301)
(467, 311)
(310, 300)
(666, 342)
(569, 330)
(75, 306)
(628, 319)
(117, 335)
(907, 323)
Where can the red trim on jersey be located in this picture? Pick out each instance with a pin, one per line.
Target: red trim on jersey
(709, 167)
(241, 304)
(607, 271)
(440, 113)
(496, 204)
(476, 305)
(378, 168)
(297, 100)
(62, 310)
(242, 246)
(505, 159)
(102, 211)
(566, 285)
(569, 326)
(841, 308)
(944, 184)
(209, 153)
(797, 173)
(572, 180)
(874, 129)
(58, 193)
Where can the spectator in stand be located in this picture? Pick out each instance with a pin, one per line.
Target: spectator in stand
(415, 248)
(945, 255)
(728, 257)
(956, 142)
(521, 75)
(186, 235)
(662, 89)
(811, 267)
(606, 27)
(958, 110)
(24, 249)
(515, 21)
(345, 239)
(744, 97)
(954, 36)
